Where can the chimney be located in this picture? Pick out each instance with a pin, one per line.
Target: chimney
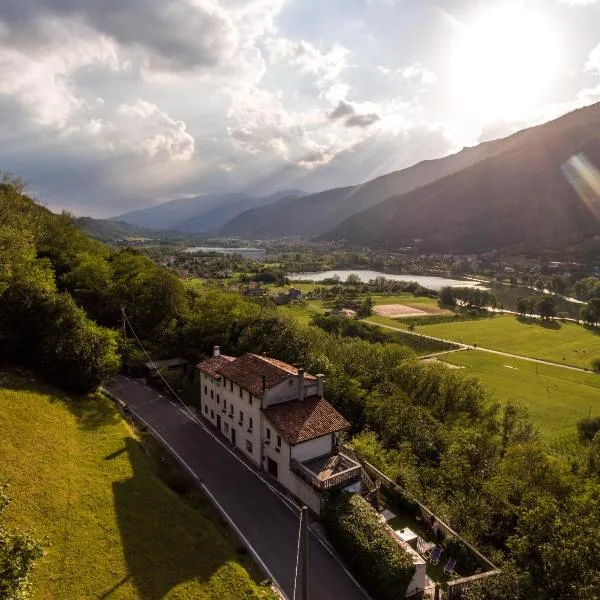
(320, 382)
(301, 384)
(216, 351)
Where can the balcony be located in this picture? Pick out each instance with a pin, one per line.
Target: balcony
(327, 472)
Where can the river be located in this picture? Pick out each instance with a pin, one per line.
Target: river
(431, 282)
(506, 294)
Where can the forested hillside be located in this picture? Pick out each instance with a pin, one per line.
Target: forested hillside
(478, 463)
(531, 198)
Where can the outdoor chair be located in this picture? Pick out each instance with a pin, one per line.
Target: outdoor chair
(434, 559)
(449, 566)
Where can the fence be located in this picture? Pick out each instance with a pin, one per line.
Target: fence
(454, 588)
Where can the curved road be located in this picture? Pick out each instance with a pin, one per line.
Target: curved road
(268, 522)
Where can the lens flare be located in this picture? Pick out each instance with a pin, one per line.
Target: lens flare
(585, 179)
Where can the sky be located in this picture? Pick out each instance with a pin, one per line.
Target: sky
(112, 106)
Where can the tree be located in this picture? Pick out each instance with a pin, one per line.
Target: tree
(596, 365)
(447, 297)
(366, 307)
(524, 306)
(18, 552)
(546, 307)
(590, 313)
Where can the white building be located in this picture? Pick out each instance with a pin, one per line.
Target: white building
(277, 417)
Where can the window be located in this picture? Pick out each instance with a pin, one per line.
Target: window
(241, 417)
(268, 433)
(290, 382)
(218, 399)
(212, 414)
(231, 386)
(224, 404)
(241, 392)
(206, 408)
(231, 410)
(278, 441)
(212, 394)
(225, 427)
(250, 424)
(250, 399)
(248, 446)
(205, 390)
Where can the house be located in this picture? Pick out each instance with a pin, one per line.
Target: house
(344, 313)
(276, 416)
(294, 293)
(153, 367)
(254, 289)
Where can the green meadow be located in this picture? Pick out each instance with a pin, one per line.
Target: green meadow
(565, 343)
(556, 398)
(81, 482)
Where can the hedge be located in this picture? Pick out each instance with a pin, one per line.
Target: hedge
(378, 562)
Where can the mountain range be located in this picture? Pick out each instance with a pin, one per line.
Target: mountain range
(200, 214)
(513, 194)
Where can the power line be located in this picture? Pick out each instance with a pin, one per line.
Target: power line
(303, 513)
(194, 418)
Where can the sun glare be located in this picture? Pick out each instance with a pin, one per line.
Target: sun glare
(503, 62)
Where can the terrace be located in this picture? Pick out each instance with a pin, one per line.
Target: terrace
(450, 563)
(327, 472)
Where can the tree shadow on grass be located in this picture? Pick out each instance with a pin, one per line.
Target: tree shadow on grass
(91, 410)
(593, 330)
(165, 541)
(544, 323)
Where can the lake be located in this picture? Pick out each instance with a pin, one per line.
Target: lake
(428, 281)
(252, 253)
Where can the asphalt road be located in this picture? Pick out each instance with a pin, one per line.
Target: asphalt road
(268, 523)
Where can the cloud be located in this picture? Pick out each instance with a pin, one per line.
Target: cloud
(326, 66)
(593, 60)
(176, 35)
(415, 74)
(362, 120)
(579, 2)
(39, 79)
(144, 129)
(343, 109)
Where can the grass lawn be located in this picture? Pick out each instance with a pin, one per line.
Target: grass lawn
(557, 398)
(566, 343)
(303, 311)
(80, 480)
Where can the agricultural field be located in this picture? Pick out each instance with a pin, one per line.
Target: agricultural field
(81, 482)
(556, 398)
(565, 343)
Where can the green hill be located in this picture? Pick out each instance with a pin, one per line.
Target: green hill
(80, 479)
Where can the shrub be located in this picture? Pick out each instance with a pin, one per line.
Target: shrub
(378, 562)
(587, 428)
(596, 365)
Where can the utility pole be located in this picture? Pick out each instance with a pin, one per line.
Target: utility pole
(304, 552)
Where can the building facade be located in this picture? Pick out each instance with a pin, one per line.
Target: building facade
(276, 416)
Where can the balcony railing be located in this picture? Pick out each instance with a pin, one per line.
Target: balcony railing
(327, 483)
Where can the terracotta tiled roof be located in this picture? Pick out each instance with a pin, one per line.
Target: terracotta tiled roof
(247, 371)
(298, 422)
(212, 364)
